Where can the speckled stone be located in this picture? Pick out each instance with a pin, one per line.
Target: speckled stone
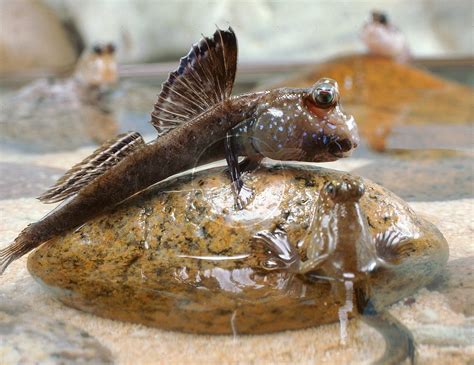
(32, 339)
(140, 262)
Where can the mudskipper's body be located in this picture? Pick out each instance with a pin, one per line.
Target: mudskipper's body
(198, 121)
(341, 251)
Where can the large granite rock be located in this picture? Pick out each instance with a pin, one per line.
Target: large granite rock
(179, 256)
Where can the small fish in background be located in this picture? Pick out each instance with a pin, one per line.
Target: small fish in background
(58, 114)
(95, 74)
(97, 68)
(382, 38)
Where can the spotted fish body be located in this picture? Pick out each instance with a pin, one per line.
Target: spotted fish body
(197, 121)
(341, 251)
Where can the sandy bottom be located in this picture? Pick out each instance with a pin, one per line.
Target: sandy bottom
(440, 317)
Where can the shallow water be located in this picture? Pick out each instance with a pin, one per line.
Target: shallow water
(429, 165)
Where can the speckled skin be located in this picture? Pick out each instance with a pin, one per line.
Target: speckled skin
(129, 265)
(382, 93)
(289, 125)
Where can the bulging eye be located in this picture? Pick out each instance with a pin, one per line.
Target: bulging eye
(330, 190)
(97, 49)
(324, 94)
(110, 48)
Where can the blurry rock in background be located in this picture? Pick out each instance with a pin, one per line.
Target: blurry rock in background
(32, 37)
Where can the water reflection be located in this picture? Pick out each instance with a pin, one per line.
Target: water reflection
(423, 175)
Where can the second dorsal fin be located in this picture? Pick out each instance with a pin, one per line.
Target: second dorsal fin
(101, 160)
(205, 77)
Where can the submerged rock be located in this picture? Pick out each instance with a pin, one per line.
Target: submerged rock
(180, 256)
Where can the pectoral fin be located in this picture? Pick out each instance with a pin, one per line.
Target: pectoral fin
(280, 253)
(242, 193)
(392, 246)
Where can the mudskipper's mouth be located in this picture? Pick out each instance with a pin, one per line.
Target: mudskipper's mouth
(340, 147)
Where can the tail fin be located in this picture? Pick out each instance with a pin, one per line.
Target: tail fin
(204, 78)
(15, 250)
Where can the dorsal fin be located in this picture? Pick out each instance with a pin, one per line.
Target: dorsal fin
(102, 159)
(205, 77)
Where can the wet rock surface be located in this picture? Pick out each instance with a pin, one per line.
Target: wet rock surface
(29, 339)
(146, 262)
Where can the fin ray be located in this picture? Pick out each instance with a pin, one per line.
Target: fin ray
(392, 246)
(204, 77)
(102, 159)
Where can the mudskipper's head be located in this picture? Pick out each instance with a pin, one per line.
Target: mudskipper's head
(343, 191)
(336, 132)
(98, 67)
(306, 125)
(384, 39)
